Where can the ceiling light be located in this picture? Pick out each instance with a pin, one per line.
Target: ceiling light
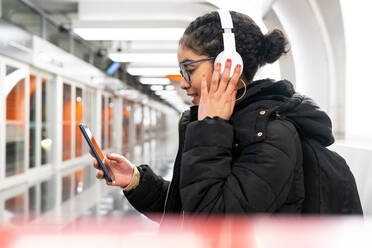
(166, 92)
(156, 87)
(162, 81)
(153, 71)
(91, 33)
(169, 87)
(144, 57)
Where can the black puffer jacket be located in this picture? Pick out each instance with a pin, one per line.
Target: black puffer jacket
(249, 164)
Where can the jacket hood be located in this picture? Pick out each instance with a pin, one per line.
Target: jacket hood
(309, 119)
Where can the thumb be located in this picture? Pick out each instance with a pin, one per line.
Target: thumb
(113, 183)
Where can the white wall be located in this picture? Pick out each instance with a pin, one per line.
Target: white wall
(357, 21)
(308, 48)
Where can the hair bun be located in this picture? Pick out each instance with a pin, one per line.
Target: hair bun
(273, 46)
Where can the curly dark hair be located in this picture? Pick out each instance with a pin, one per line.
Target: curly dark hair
(204, 37)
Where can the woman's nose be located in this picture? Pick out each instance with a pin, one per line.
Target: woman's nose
(185, 85)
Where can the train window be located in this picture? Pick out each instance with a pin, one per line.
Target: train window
(32, 135)
(66, 132)
(103, 123)
(153, 119)
(138, 122)
(32, 204)
(15, 122)
(88, 113)
(47, 110)
(125, 126)
(78, 120)
(79, 181)
(10, 69)
(88, 176)
(66, 187)
(146, 121)
(15, 208)
(110, 121)
(48, 195)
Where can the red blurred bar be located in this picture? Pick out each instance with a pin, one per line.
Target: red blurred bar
(258, 231)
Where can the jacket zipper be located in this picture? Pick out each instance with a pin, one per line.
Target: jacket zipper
(166, 197)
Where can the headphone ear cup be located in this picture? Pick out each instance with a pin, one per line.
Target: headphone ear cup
(219, 59)
(235, 57)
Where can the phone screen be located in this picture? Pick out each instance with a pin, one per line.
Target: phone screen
(100, 154)
(95, 148)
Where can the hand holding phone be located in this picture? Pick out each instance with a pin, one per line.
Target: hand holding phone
(115, 168)
(120, 168)
(97, 153)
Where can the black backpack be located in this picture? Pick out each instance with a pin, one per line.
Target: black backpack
(330, 186)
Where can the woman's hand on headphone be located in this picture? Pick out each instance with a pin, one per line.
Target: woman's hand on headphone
(220, 99)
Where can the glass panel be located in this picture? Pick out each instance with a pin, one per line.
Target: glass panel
(56, 37)
(88, 114)
(32, 203)
(78, 120)
(47, 110)
(21, 14)
(126, 117)
(15, 208)
(15, 127)
(146, 121)
(10, 69)
(88, 179)
(103, 123)
(79, 183)
(66, 154)
(32, 145)
(48, 196)
(110, 121)
(138, 122)
(66, 188)
(153, 118)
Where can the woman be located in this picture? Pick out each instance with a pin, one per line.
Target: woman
(234, 155)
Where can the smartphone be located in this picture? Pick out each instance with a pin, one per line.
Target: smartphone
(95, 149)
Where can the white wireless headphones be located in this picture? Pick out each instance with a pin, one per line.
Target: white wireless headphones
(229, 51)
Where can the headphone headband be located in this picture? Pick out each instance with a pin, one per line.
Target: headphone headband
(229, 49)
(225, 17)
(227, 26)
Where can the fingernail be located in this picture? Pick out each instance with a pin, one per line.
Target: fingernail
(238, 66)
(228, 61)
(218, 65)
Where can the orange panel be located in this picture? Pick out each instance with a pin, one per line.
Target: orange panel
(15, 103)
(79, 119)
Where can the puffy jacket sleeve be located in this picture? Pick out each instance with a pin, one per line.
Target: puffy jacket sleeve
(149, 196)
(257, 180)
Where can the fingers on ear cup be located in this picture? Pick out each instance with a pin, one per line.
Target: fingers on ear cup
(235, 57)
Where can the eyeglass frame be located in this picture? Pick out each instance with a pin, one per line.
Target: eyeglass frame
(184, 72)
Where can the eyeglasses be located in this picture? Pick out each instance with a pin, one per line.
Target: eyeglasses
(185, 73)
